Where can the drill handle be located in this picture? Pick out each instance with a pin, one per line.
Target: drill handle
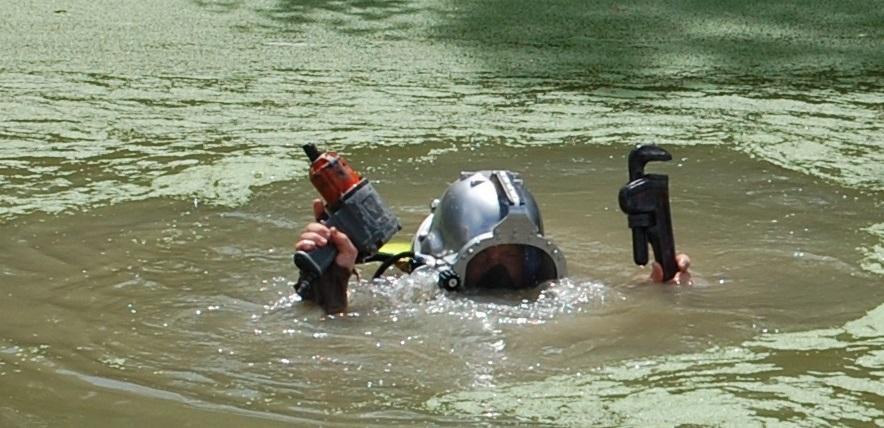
(315, 262)
(312, 265)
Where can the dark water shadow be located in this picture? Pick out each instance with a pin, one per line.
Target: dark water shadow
(817, 42)
(357, 17)
(219, 6)
(736, 38)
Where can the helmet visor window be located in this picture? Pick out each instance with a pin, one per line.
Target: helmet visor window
(509, 266)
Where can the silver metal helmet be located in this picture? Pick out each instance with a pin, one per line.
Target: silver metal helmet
(486, 210)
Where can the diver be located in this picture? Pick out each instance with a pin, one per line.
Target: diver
(484, 232)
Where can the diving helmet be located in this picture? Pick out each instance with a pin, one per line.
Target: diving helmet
(484, 219)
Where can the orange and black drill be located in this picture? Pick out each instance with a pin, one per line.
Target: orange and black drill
(353, 206)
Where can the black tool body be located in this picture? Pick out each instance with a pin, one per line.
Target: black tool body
(645, 200)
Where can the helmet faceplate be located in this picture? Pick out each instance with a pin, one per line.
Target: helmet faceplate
(481, 210)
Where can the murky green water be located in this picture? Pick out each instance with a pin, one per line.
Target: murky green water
(152, 186)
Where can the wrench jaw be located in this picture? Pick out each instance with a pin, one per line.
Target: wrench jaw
(640, 157)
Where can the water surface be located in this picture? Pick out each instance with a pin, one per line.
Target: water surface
(152, 186)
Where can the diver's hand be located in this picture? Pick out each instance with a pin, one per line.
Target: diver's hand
(330, 289)
(682, 277)
(317, 235)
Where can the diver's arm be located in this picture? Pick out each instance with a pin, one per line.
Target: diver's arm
(330, 291)
(682, 277)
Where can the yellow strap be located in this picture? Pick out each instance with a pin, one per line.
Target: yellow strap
(393, 248)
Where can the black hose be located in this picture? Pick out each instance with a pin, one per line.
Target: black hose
(389, 260)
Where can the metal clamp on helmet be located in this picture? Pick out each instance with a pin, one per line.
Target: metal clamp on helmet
(486, 231)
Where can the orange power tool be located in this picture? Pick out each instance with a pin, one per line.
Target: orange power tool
(353, 206)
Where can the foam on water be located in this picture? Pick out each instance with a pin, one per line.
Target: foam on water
(418, 296)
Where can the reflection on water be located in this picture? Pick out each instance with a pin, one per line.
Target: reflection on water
(818, 377)
(151, 183)
(874, 254)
